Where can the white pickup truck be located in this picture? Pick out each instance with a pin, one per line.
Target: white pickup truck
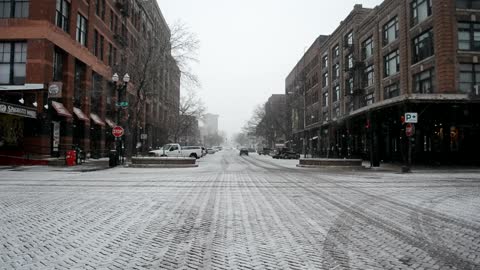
(175, 150)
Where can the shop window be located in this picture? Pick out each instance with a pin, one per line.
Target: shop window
(469, 77)
(469, 36)
(391, 63)
(420, 10)
(349, 39)
(14, 8)
(82, 25)
(468, 4)
(423, 46)
(62, 16)
(423, 82)
(390, 31)
(13, 59)
(369, 99)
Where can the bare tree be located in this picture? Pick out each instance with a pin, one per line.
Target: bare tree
(185, 46)
(191, 110)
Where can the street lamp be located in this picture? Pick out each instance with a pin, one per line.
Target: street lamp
(120, 88)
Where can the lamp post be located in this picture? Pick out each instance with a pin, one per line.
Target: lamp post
(121, 89)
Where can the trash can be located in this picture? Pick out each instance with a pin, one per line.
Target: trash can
(112, 158)
(70, 157)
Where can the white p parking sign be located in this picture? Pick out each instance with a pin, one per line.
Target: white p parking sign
(411, 118)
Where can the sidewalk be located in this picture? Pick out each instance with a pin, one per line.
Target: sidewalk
(89, 165)
(397, 167)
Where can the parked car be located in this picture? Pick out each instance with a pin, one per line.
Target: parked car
(175, 150)
(285, 153)
(211, 151)
(244, 151)
(204, 151)
(265, 151)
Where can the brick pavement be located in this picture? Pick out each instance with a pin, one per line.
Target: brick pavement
(239, 213)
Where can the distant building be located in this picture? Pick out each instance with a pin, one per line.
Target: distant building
(273, 128)
(211, 124)
(348, 94)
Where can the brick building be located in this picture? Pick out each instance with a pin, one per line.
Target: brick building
(57, 58)
(402, 56)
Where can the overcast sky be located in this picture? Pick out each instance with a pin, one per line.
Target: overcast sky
(248, 47)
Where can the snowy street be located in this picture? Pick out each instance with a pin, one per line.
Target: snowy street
(232, 212)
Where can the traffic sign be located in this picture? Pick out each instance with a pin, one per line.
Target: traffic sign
(411, 118)
(122, 104)
(118, 131)
(410, 130)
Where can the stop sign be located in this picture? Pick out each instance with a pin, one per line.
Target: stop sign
(117, 131)
(410, 130)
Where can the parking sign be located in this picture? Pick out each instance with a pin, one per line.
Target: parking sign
(411, 118)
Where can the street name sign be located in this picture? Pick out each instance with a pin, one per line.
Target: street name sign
(118, 131)
(411, 118)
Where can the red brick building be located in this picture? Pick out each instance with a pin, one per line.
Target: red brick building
(57, 58)
(402, 56)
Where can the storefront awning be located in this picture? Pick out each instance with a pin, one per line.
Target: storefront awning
(60, 109)
(80, 114)
(110, 123)
(97, 119)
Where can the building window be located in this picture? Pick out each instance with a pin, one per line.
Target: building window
(391, 63)
(325, 61)
(390, 31)
(349, 39)
(335, 52)
(367, 48)
(82, 25)
(14, 8)
(101, 48)
(349, 62)
(325, 99)
(100, 8)
(469, 36)
(13, 59)
(336, 72)
(110, 54)
(423, 82)
(349, 85)
(420, 10)
(325, 79)
(423, 46)
(369, 99)
(469, 77)
(336, 112)
(95, 43)
(78, 83)
(468, 4)
(62, 16)
(336, 93)
(369, 76)
(391, 91)
(58, 58)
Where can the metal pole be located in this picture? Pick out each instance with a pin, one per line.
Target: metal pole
(304, 122)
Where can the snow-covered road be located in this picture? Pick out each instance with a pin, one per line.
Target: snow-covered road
(237, 212)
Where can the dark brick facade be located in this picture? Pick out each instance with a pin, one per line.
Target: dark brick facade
(364, 121)
(43, 37)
